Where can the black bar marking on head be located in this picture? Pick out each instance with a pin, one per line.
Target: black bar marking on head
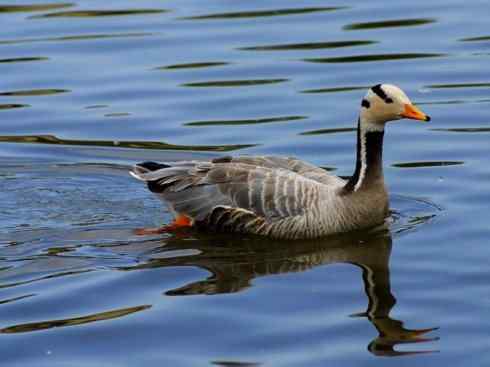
(365, 103)
(381, 93)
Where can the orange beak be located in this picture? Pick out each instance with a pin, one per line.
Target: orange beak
(412, 112)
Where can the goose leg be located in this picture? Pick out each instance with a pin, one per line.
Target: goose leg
(180, 222)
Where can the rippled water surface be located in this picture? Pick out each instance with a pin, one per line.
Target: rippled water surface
(89, 88)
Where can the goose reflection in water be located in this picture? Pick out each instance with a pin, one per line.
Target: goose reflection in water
(235, 262)
(234, 265)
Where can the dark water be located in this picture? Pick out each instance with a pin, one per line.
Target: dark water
(89, 88)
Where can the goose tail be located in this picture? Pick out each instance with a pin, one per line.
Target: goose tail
(143, 171)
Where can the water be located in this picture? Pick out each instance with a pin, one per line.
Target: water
(88, 89)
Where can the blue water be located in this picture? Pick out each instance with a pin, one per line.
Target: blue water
(89, 88)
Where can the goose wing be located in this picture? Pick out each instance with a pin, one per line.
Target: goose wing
(292, 164)
(197, 188)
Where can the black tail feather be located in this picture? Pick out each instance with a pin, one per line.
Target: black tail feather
(146, 167)
(153, 166)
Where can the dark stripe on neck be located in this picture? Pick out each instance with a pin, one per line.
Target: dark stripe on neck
(373, 156)
(349, 187)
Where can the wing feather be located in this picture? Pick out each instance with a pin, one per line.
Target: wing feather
(292, 164)
(269, 187)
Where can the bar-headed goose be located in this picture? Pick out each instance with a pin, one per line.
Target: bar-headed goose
(284, 197)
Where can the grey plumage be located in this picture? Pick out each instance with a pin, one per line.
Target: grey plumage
(285, 197)
(271, 196)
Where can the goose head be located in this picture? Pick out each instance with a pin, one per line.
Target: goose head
(387, 102)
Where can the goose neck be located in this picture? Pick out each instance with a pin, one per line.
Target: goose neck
(369, 158)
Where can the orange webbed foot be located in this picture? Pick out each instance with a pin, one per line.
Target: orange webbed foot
(180, 222)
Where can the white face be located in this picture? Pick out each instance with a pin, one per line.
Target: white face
(387, 102)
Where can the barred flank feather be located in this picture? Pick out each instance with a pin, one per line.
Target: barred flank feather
(270, 196)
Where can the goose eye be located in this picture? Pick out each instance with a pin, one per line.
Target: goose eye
(388, 100)
(365, 103)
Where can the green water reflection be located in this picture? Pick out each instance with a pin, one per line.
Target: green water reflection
(235, 83)
(50, 139)
(309, 46)
(81, 37)
(49, 324)
(427, 164)
(329, 131)
(194, 65)
(335, 89)
(23, 59)
(374, 57)
(389, 23)
(245, 122)
(34, 92)
(10, 8)
(9, 106)
(99, 13)
(264, 13)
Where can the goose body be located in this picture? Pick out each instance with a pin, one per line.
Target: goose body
(285, 197)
